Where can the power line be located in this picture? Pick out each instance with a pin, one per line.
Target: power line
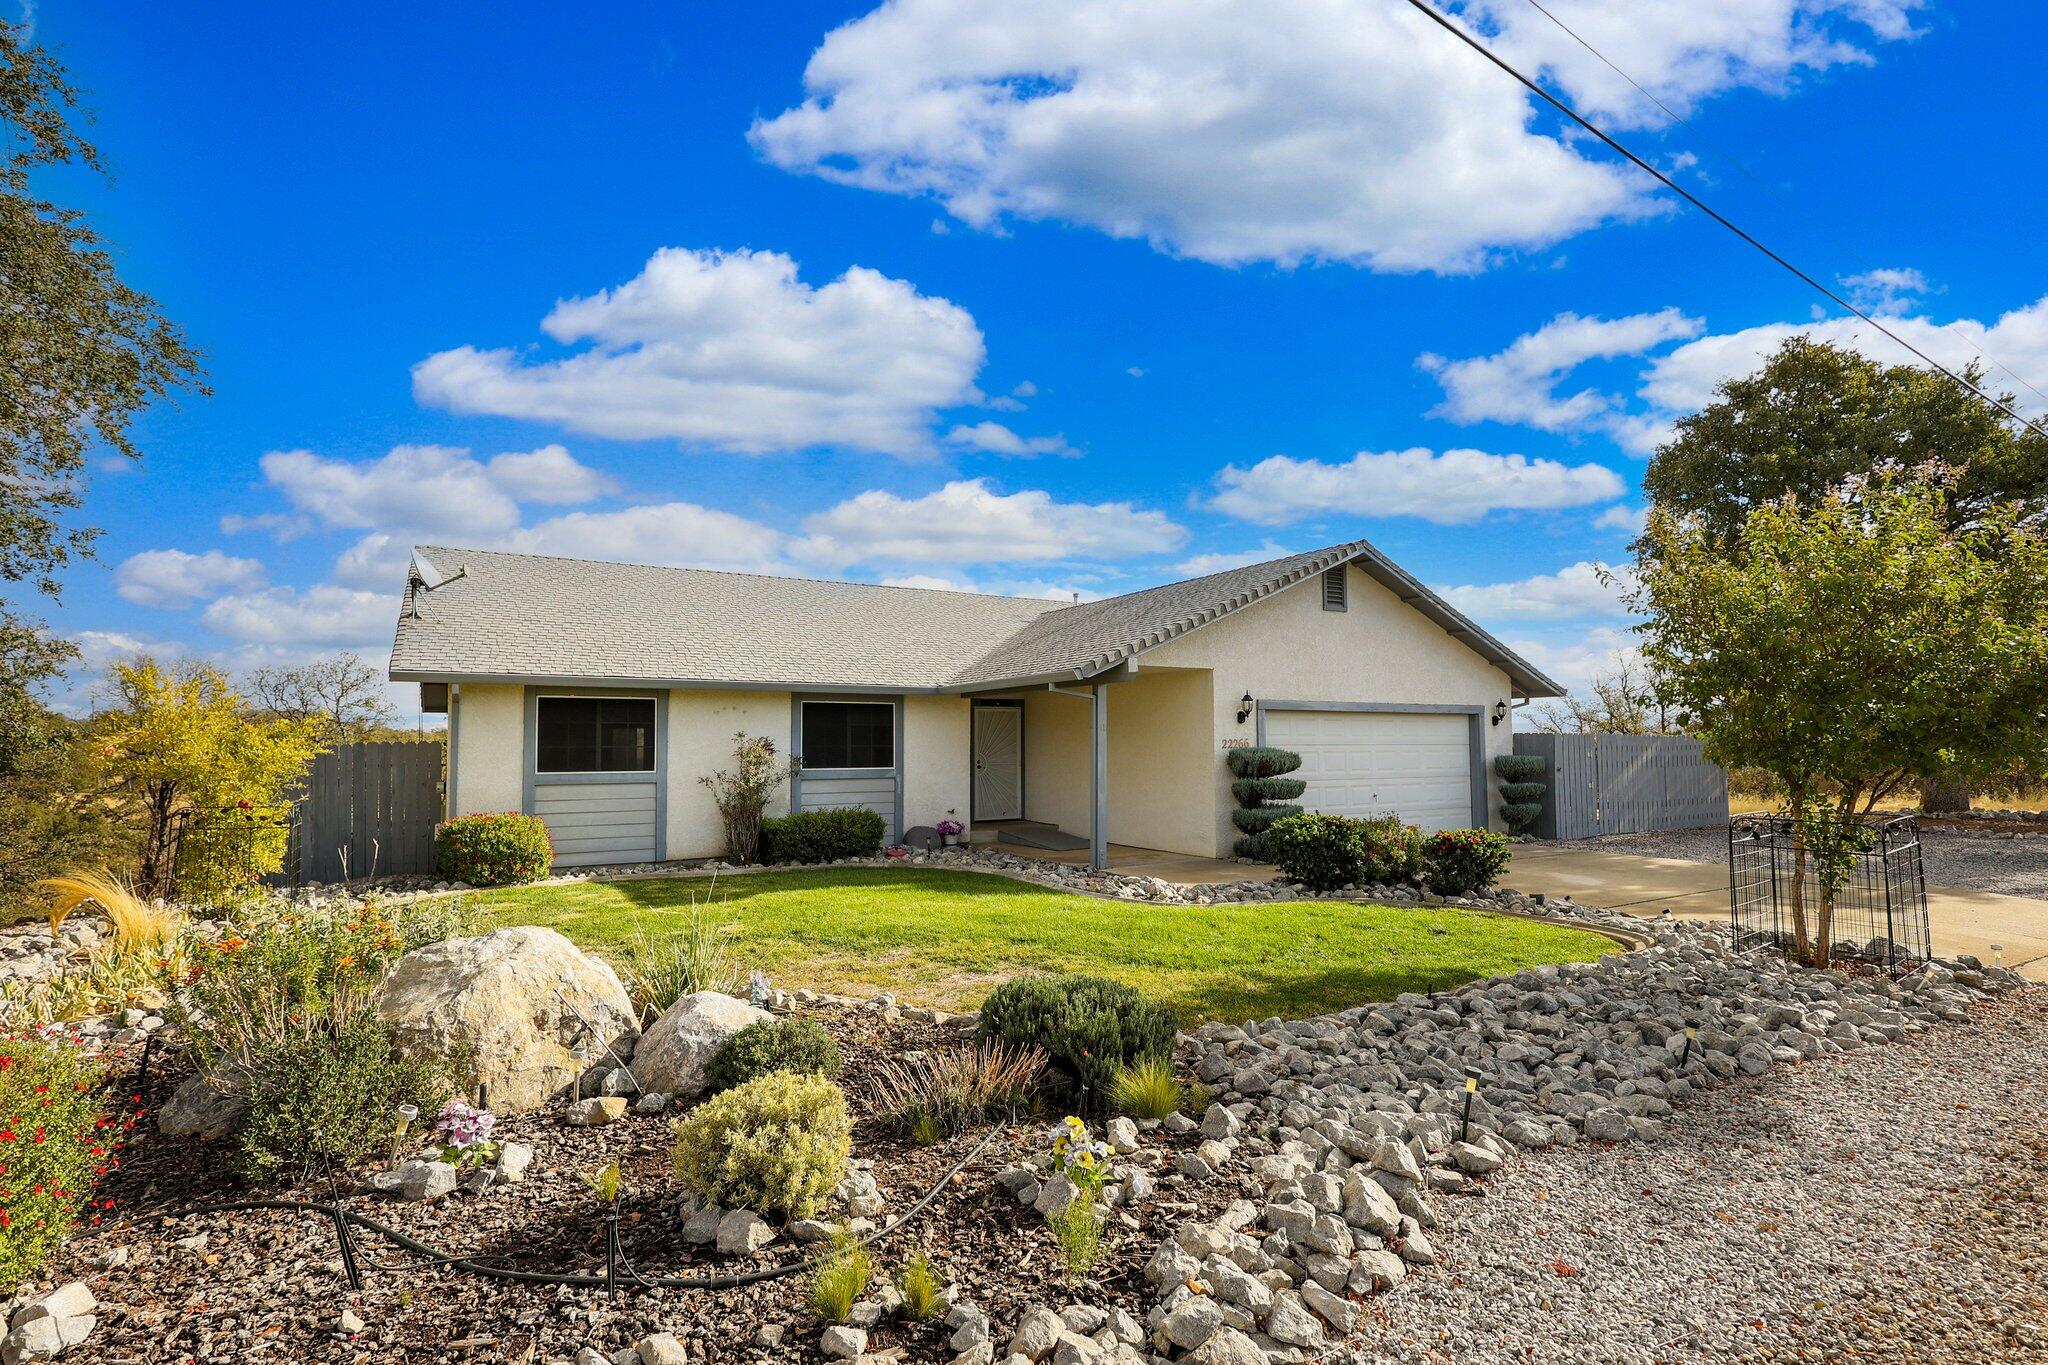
(1763, 184)
(1682, 192)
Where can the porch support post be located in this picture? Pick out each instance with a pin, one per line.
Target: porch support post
(1098, 824)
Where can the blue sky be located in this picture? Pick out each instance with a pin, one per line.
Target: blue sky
(1070, 297)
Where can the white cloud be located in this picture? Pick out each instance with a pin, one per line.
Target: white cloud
(1574, 662)
(1887, 290)
(550, 474)
(675, 533)
(732, 351)
(175, 579)
(1022, 587)
(1682, 50)
(1194, 566)
(284, 525)
(1571, 593)
(1622, 517)
(321, 615)
(1285, 131)
(1014, 400)
(1519, 384)
(1448, 488)
(430, 492)
(996, 439)
(967, 522)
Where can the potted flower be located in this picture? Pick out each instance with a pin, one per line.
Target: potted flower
(950, 829)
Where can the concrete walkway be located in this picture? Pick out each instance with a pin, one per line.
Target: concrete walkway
(1962, 920)
(1183, 869)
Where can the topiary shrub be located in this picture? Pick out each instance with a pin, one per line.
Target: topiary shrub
(1088, 1028)
(772, 1045)
(1520, 793)
(777, 1145)
(493, 850)
(1463, 862)
(1263, 794)
(822, 836)
(55, 1140)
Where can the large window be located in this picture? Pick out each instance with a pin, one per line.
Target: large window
(596, 735)
(849, 734)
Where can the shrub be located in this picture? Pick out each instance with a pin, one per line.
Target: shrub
(1520, 767)
(1521, 793)
(919, 1284)
(777, 1144)
(947, 1091)
(139, 925)
(1263, 795)
(1147, 1090)
(56, 1140)
(661, 971)
(493, 850)
(1520, 815)
(1261, 761)
(1392, 851)
(821, 836)
(742, 793)
(1252, 791)
(1256, 819)
(1087, 1027)
(841, 1278)
(1325, 852)
(772, 1045)
(1459, 862)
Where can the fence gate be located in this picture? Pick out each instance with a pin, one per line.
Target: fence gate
(1625, 784)
(367, 810)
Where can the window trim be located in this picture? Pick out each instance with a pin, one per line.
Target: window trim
(895, 706)
(647, 774)
(1341, 581)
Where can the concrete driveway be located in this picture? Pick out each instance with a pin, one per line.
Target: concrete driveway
(1963, 921)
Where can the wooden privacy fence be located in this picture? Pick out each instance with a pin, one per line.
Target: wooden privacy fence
(1625, 784)
(367, 810)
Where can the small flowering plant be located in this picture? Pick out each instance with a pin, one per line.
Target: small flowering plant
(950, 828)
(1080, 1156)
(465, 1134)
(57, 1139)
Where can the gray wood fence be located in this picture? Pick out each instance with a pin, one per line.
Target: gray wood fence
(1625, 784)
(367, 810)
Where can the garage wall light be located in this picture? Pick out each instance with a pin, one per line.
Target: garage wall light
(1500, 712)
(1244, 708)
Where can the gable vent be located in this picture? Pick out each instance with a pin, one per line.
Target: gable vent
(1333, 589)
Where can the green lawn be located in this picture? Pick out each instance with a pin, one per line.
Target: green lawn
(944, 938)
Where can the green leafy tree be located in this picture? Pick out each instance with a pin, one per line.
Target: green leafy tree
(49, 820)
(204, 787)
(1846, 644)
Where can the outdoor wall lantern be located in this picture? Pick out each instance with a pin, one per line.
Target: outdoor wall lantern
(1244, 708)
(1500, 712)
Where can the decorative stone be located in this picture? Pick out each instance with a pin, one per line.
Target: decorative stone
(1122, 1135)
(843, 1343)
(672, 1056)
(202, 1109)
(661, 1349)
(743, 1232)
(513, 1160)
(1228, 1346)
(1037, 1333)
(598, 1112)
(511, 1008)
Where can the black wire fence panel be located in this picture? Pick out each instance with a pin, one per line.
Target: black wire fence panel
(1880, 908)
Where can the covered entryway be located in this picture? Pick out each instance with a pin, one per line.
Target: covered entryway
(998, 744)
(1421, 764)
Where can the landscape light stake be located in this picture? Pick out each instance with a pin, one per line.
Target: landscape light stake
(1686, 1056)
(1471, 1089)
(148, 1050)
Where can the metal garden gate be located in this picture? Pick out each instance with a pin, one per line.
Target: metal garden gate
(1625, 784)
(367, 810)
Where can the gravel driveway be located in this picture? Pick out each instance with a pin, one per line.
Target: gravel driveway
(2012, 867)
(1873, 1207)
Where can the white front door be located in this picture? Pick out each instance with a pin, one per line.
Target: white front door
(998, 763)
(1414, 764)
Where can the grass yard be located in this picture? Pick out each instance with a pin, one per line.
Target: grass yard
(943, 938)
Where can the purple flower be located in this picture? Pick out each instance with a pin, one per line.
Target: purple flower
(462, 1125)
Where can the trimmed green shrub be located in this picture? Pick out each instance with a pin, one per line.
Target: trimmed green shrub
(1089, 1028)
(501, 849)
(1521, 767)
(772, 1045)
(55, 1139)
(1460, 862)
(1261, 761)
(1252, 791)
(1520, 793)
(777, 1144)
(822, 836)
(1325, 852)
(1519, 815)
(1393, 851)
(1523, 791)
(1253, 819)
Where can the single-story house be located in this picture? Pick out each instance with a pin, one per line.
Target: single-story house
(595, 695)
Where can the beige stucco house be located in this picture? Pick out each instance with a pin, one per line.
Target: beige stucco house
(595, 695)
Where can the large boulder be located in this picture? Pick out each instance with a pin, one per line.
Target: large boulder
(671, 1058)
(521, 1011)
(204, 1107)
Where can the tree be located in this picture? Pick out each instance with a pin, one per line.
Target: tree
(204, 788)
(1847, 644)
(1816, 416)
(344, 693)
(49, 819)
(1628, 701)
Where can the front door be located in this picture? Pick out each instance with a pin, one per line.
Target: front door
(998, 763)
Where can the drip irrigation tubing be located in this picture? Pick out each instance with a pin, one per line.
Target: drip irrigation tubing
(498, 1272)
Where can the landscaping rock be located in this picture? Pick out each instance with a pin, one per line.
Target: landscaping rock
(843, 1343)
(1228, 1346)
(510, 1006)
(661, 1349)
(202, 1108)
(598, 1112)
(743, 1232)
(671, 1058)
(513, 1160)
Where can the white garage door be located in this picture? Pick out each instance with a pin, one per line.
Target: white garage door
(1416, 765)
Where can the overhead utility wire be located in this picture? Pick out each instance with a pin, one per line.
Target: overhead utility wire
(1575, 116)
(1682, 121)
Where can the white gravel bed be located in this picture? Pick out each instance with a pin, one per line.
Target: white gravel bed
(2012, 867)
(1811, 1213)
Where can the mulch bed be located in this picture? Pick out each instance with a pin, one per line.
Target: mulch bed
(268, 1284)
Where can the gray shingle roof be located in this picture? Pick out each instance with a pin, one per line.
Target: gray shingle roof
(537, 618)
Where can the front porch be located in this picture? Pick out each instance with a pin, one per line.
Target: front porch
(1183, 869)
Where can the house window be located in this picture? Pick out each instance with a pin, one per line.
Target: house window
(849, 734)
(1333, 589)
(595, 735)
